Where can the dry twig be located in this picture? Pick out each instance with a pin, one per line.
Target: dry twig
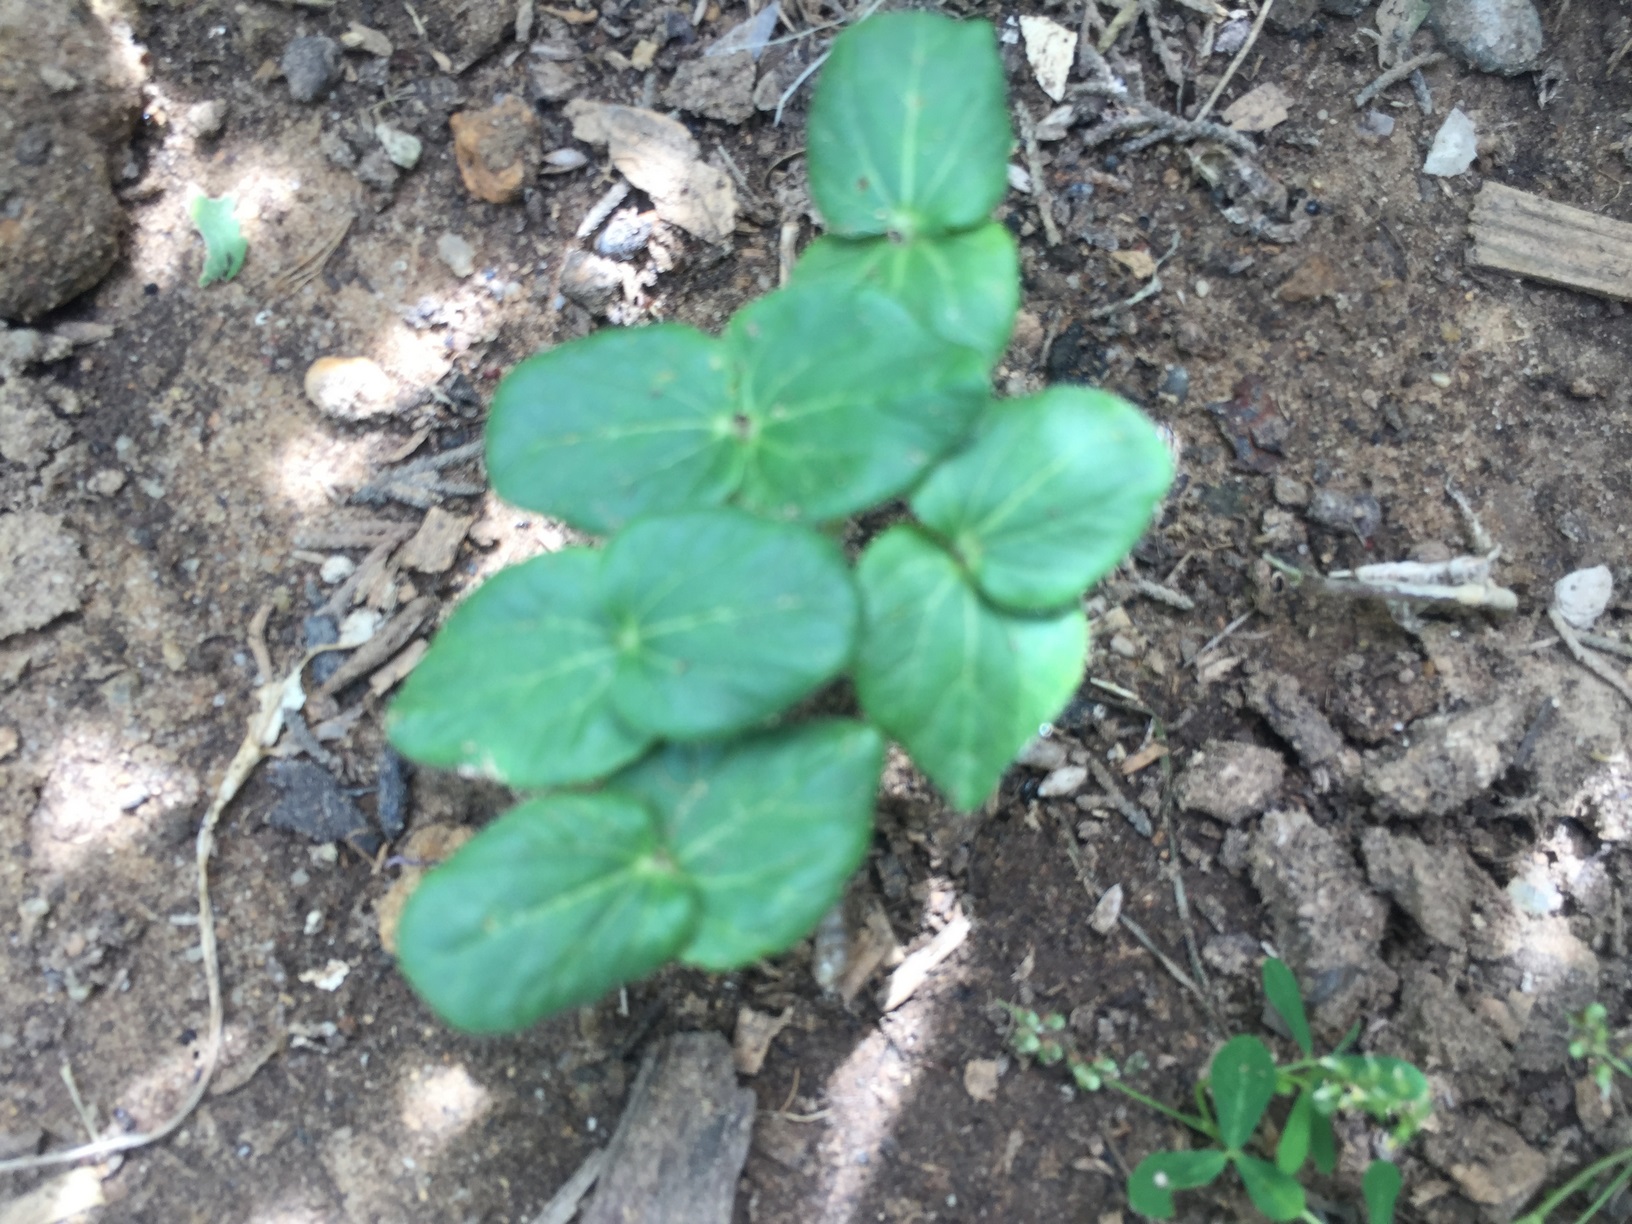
(1034, 165)
(1394, 75)
(1240, 58)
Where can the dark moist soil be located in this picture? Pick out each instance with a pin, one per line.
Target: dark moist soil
(1399, 369)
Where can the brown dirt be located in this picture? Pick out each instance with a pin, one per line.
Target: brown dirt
(128, 710)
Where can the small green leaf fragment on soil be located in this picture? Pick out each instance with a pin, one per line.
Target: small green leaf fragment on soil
(1380, 1187)
(1151, 1185)
(549, 907)
(1274, 1193)
(962, 685)
(1281, 989)
(224, 245)
(1243, 1083)
(768, 828)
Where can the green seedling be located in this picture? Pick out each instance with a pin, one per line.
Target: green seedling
(643, 690)
(1606, 1057)
(224, 245)
(1233, 1100)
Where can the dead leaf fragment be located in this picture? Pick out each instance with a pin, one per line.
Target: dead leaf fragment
(571, 16)
(1258, 109)
(913, 971)
(1137, 261)
(435, 546)
(980, 1078)
(1050, 49)
(752, 1040)
(658, 155)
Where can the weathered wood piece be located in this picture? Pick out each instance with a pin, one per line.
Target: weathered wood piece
(1514, 231)
(680, 1146)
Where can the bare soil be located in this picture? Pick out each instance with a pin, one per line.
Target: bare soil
(1398, 369)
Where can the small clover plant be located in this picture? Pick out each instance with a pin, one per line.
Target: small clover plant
(640, 692)
(1606, 1057)
(1232, 1101)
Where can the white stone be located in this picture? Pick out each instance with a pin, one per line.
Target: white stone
(1066, 780)
(1455, 146)
(1582, 596)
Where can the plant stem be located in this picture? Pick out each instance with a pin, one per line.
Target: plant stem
(1199, 1125)
(1610, 1192)
(1562, 1195)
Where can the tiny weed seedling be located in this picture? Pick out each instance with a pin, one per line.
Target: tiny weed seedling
(1606, 1057)
(641, 690)
(1232, 1101)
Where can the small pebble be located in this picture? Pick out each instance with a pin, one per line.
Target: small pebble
(336, 569)
(348, 388)
(1107, 911)
(457, 254)
(1042, 753)
(311, 66)
(1203, 288)
(401, 147)
(1066, 780)
(206, 119)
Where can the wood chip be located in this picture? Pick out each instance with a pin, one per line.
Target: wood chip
(435, 546)
(1258, 109)
(374, 652)
(752, 1040)
(1145, 757)
(980, 1078)
(396, 671)
(563, 1205)
(679, 1149)
(1514, 231)
(915, 970)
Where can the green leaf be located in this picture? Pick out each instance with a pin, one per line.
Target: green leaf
(961, 685)
(1322, 1143)
(1243, 1082)
(848, 399)
(224, 245)
(517, 685)
(1052, 493)
(624, 422)
(909, 128)
(1274, 1193)
(549, 907)
(770, 829)
(1281, 989)
(1293, 1148)
(1151, 1185)
(1385, 1088)
(1380, 1187)
(963, 287)
(721, 619)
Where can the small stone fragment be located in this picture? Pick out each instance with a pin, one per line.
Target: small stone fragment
(391, 800)
(715, 87)
(626, 234)
(1501, 36)
(377, 170)
(1231, 781)
(1107, 911)
(593, 281)
(496, 149)
(8, 741)
(551, 81)
(980, 1078)
(1582, 596)
(1451, 760)
(1446, 1036)
(30, 432)
(1042, 753)
(336, 569)
(403, 148)
(1051, 50)
(1344, 511)
(349, 388)
(457, 254)
(41, 571)
(1456, 144)
(752, 1040)
(1066, 780)
(1432, 884)
(312, 803)
(362, 38)
(311, 66)
(424, 848)
(1258, 109)
(1489, 1161)
(435, 546)
(330, 977)
(1290, 492)
(563, 161)
(206, 119)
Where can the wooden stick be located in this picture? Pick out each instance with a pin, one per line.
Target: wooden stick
(1514, 231)
(1240, 56)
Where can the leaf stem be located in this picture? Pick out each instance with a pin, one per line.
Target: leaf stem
(1560, 1196)
(1199, 1125)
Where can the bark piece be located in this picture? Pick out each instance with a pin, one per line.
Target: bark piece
(680, 1146)
(1514, 231)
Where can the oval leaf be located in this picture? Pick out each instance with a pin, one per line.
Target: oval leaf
(721, 619)
(959, 683)
(1293, 1148)
(1157, 1176)
(517, 685)
(624, 422)
(909, 128)
(1281, 989)
(1052, 493)
(549, 907)
(1243, 1082)
(1380, 1187)
(848, 399)
(1274, 1193)
(1322, 1143)
(769, 829)
(963, 287)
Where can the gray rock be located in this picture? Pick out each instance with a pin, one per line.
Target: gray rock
(1502, 36)
(1279, 699)
(1443, 1034)
(1328, 924)
(59, 220)
(29, 431)
(1489, 1161)
(716, 87)
(378, 170)
(1231, 781)
(41, 571)
(1452, 759)
(311, 65)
